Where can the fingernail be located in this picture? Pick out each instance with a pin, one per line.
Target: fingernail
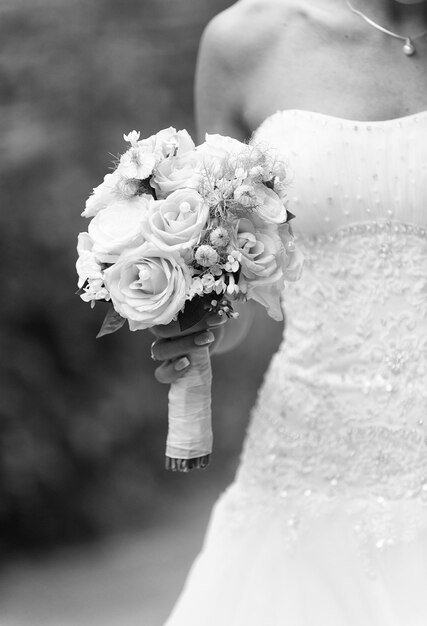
(204, 338)
(181, 364)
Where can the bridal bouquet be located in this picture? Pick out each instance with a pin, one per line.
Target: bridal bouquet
(178, 231)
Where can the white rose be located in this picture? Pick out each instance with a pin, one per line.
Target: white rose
(167, 142)
(119, 226)
(261, 253)
(103, 195)
(182, 143)
(218, 151)
(177, 222)
(148, 286)
(270, 207)
(181, 171)
(266, 288)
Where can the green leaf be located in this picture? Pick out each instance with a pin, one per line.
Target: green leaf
(194, 311)
(145, 187)
(112, 322)
(81, 289)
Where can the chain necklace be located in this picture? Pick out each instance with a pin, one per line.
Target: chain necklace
(408, 47)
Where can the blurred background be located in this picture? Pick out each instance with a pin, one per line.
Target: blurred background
(92, 528)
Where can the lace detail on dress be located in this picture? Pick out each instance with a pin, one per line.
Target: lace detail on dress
(340, 417)
(340, 425)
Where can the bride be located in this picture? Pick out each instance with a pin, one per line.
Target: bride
(326, 521)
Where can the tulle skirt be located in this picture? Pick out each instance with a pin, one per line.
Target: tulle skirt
(258, 568)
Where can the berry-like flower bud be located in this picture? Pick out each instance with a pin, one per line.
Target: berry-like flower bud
(219, 237)
(206, 256)
(245, 195)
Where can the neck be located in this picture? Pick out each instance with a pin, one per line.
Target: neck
(410, 14)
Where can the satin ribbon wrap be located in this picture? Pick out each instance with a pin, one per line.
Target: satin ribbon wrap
(190, 421)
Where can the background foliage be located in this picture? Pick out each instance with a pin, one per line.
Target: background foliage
(82, 422)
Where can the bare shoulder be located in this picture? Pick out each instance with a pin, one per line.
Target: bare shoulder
(237, 33)
(233, 44)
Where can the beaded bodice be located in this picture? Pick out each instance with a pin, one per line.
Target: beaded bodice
(343, 409)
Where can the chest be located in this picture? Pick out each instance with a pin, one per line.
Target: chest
(342, 172)
(313, 67)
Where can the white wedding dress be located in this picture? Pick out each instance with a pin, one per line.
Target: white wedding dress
(326, 521)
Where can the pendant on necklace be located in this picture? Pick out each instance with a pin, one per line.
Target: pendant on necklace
(409, 48)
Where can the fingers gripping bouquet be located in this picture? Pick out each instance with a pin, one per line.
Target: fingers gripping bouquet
(178, 231)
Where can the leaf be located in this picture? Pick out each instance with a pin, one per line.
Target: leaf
(290, 216)
(81, 289)
(145, 187)
(194, 311)
(112, 322)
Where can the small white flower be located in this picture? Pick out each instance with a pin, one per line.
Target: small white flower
(206, 255)
(220, 286)
(232, 264)
(208, 283)
(94, 290)
(256, 172)
(87, 267)
(216, 270)
(136, 163)
(232, 287)
(196, 288)
(240, 173)
(225, 187)
(132, 138)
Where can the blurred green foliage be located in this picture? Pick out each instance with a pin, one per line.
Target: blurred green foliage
(82, 424)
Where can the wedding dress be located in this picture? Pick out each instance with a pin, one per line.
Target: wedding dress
(326, 521)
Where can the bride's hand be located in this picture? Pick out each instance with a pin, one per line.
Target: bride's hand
(174, 347)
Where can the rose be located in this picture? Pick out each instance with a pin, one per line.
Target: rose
(148, 286)
(218, 151)
(102, 195)
(268, 258)
(261, 261)
(177, 222)
(168, 142)
(260, 250)
(181, 143)
(177, 172)
(269, 205)
(119, 226)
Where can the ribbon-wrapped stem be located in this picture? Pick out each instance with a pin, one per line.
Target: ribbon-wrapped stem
(189, 441)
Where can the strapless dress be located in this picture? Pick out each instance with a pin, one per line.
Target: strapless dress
(325, 523)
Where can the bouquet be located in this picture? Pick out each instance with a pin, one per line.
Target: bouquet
(178, 231)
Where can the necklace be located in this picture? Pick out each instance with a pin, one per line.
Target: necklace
(408, 47)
